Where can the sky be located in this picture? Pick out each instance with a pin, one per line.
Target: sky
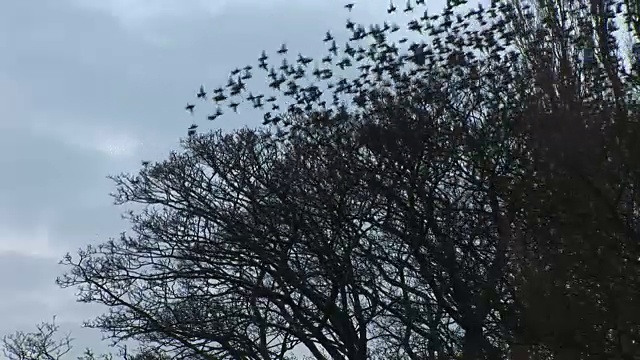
(90, 88)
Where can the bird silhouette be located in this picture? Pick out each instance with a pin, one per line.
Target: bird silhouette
(334, 48)
(216, 114)
(263, 57)
(192, 130)
(408, 7)
(283, 49)
(219, 97)
(392, 8)
(201, 93)
(304, 60)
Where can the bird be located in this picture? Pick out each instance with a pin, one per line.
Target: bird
(216, 114)
(408, 7)
(304, 60)
(219, 97)
(334, 48)
(201, 93)
(349, 6)
(192, 130)
(263, 57)
(190, 107)
(392, 8)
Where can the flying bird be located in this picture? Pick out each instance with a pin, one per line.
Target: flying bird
(192, 130)
(215, 115)
(201, 93)
(392, 8)
(408, 7)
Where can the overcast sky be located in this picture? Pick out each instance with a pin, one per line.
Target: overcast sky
(90, 88)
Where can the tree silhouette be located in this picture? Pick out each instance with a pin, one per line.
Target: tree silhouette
(42, 345)
(468, 197)
(573, 127)
(584, 148)
(246, 260)
(39, 345)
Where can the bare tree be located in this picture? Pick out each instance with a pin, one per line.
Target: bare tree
(42, 345)
(38, 345)
(250, 255)
(453, 201)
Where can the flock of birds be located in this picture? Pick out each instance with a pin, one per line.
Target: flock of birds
(457, 43)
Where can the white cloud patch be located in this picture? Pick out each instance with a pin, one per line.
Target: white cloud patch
(141, 18)
(137, 14)
(104, 139)
(141, 12)
(154, 21)
(27, 242)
